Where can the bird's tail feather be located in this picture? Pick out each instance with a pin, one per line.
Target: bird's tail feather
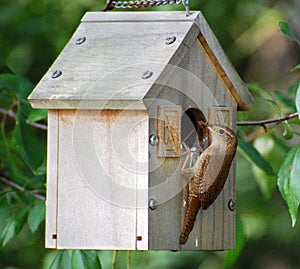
(189, 220)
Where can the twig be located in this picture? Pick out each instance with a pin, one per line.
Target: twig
(20, 188)
(11, 114)
(128, 259)
(264, 122)
(114, 261)
(37, 125)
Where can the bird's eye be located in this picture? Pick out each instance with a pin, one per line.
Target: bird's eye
(221, 131)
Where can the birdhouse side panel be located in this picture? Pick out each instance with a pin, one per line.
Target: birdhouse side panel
(215, 227)
(165, 184)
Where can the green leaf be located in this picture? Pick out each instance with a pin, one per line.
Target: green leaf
(4, 212)
(25, 107)
(61, 261)
(77, 260)
(266, 144)
(289, 181)
(14, 226)
(298, 100)
(15, 85)
(233, 255)
(38, 114)
(288, 132)
(286, 30)
(82, 259)
(65, 260)
(5, 101)
(296, 68)
(56, 261)
(27, 144)
(287, 104)
(91, 259)
(265, 182)
(36, 216)
(252, 155)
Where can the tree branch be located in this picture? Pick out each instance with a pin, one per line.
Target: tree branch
(11, 114)
(268, 121)
(20, 188)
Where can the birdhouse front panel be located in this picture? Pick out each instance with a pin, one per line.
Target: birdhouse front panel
(92, 199)
(139, 105)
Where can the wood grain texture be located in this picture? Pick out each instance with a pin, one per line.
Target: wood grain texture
(214, 227)
(142, 16)
(106, 70)
(119, 47)
(194, 84)
(102, 79)
(222, 64)
(52, 177)
(101, 192)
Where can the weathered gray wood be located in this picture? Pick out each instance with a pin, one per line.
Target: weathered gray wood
(223, 66)
(106, 70)
(214, 227)
(165, 185)
(121, 52)
(52, 177)
(148, 16)
(100, 169)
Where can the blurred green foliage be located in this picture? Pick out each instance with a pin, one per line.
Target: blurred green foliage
(33, 32)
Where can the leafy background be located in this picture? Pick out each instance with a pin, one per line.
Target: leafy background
(263, 48)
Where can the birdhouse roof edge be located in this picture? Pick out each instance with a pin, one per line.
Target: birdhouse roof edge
(223, 65)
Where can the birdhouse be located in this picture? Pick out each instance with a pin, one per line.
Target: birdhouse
(125, 99)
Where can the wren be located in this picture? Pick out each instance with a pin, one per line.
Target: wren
(209, 174)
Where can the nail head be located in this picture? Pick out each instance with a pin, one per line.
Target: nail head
(170, 40)
(154, 140)
(80, 40)
(56, 74)
(232, 204)
(153, 204)
(147, 74)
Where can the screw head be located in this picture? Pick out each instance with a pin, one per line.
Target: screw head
(232, 204)
(80, 40)
(153, 139)
(153, 204)
(56, 74)
(147, 74)
(170, 40)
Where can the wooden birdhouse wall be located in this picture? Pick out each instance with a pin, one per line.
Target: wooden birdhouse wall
(92, 198)
(137, 74)
(195, 83)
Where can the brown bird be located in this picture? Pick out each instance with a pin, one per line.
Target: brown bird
(209, 174)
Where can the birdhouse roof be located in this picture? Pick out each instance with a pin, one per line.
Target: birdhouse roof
(113, 60)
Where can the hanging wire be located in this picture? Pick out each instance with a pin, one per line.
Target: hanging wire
(111, 4)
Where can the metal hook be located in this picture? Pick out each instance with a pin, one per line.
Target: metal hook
(187, 8)
(108, 5)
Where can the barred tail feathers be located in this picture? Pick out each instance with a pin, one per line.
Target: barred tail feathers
(189, 220)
